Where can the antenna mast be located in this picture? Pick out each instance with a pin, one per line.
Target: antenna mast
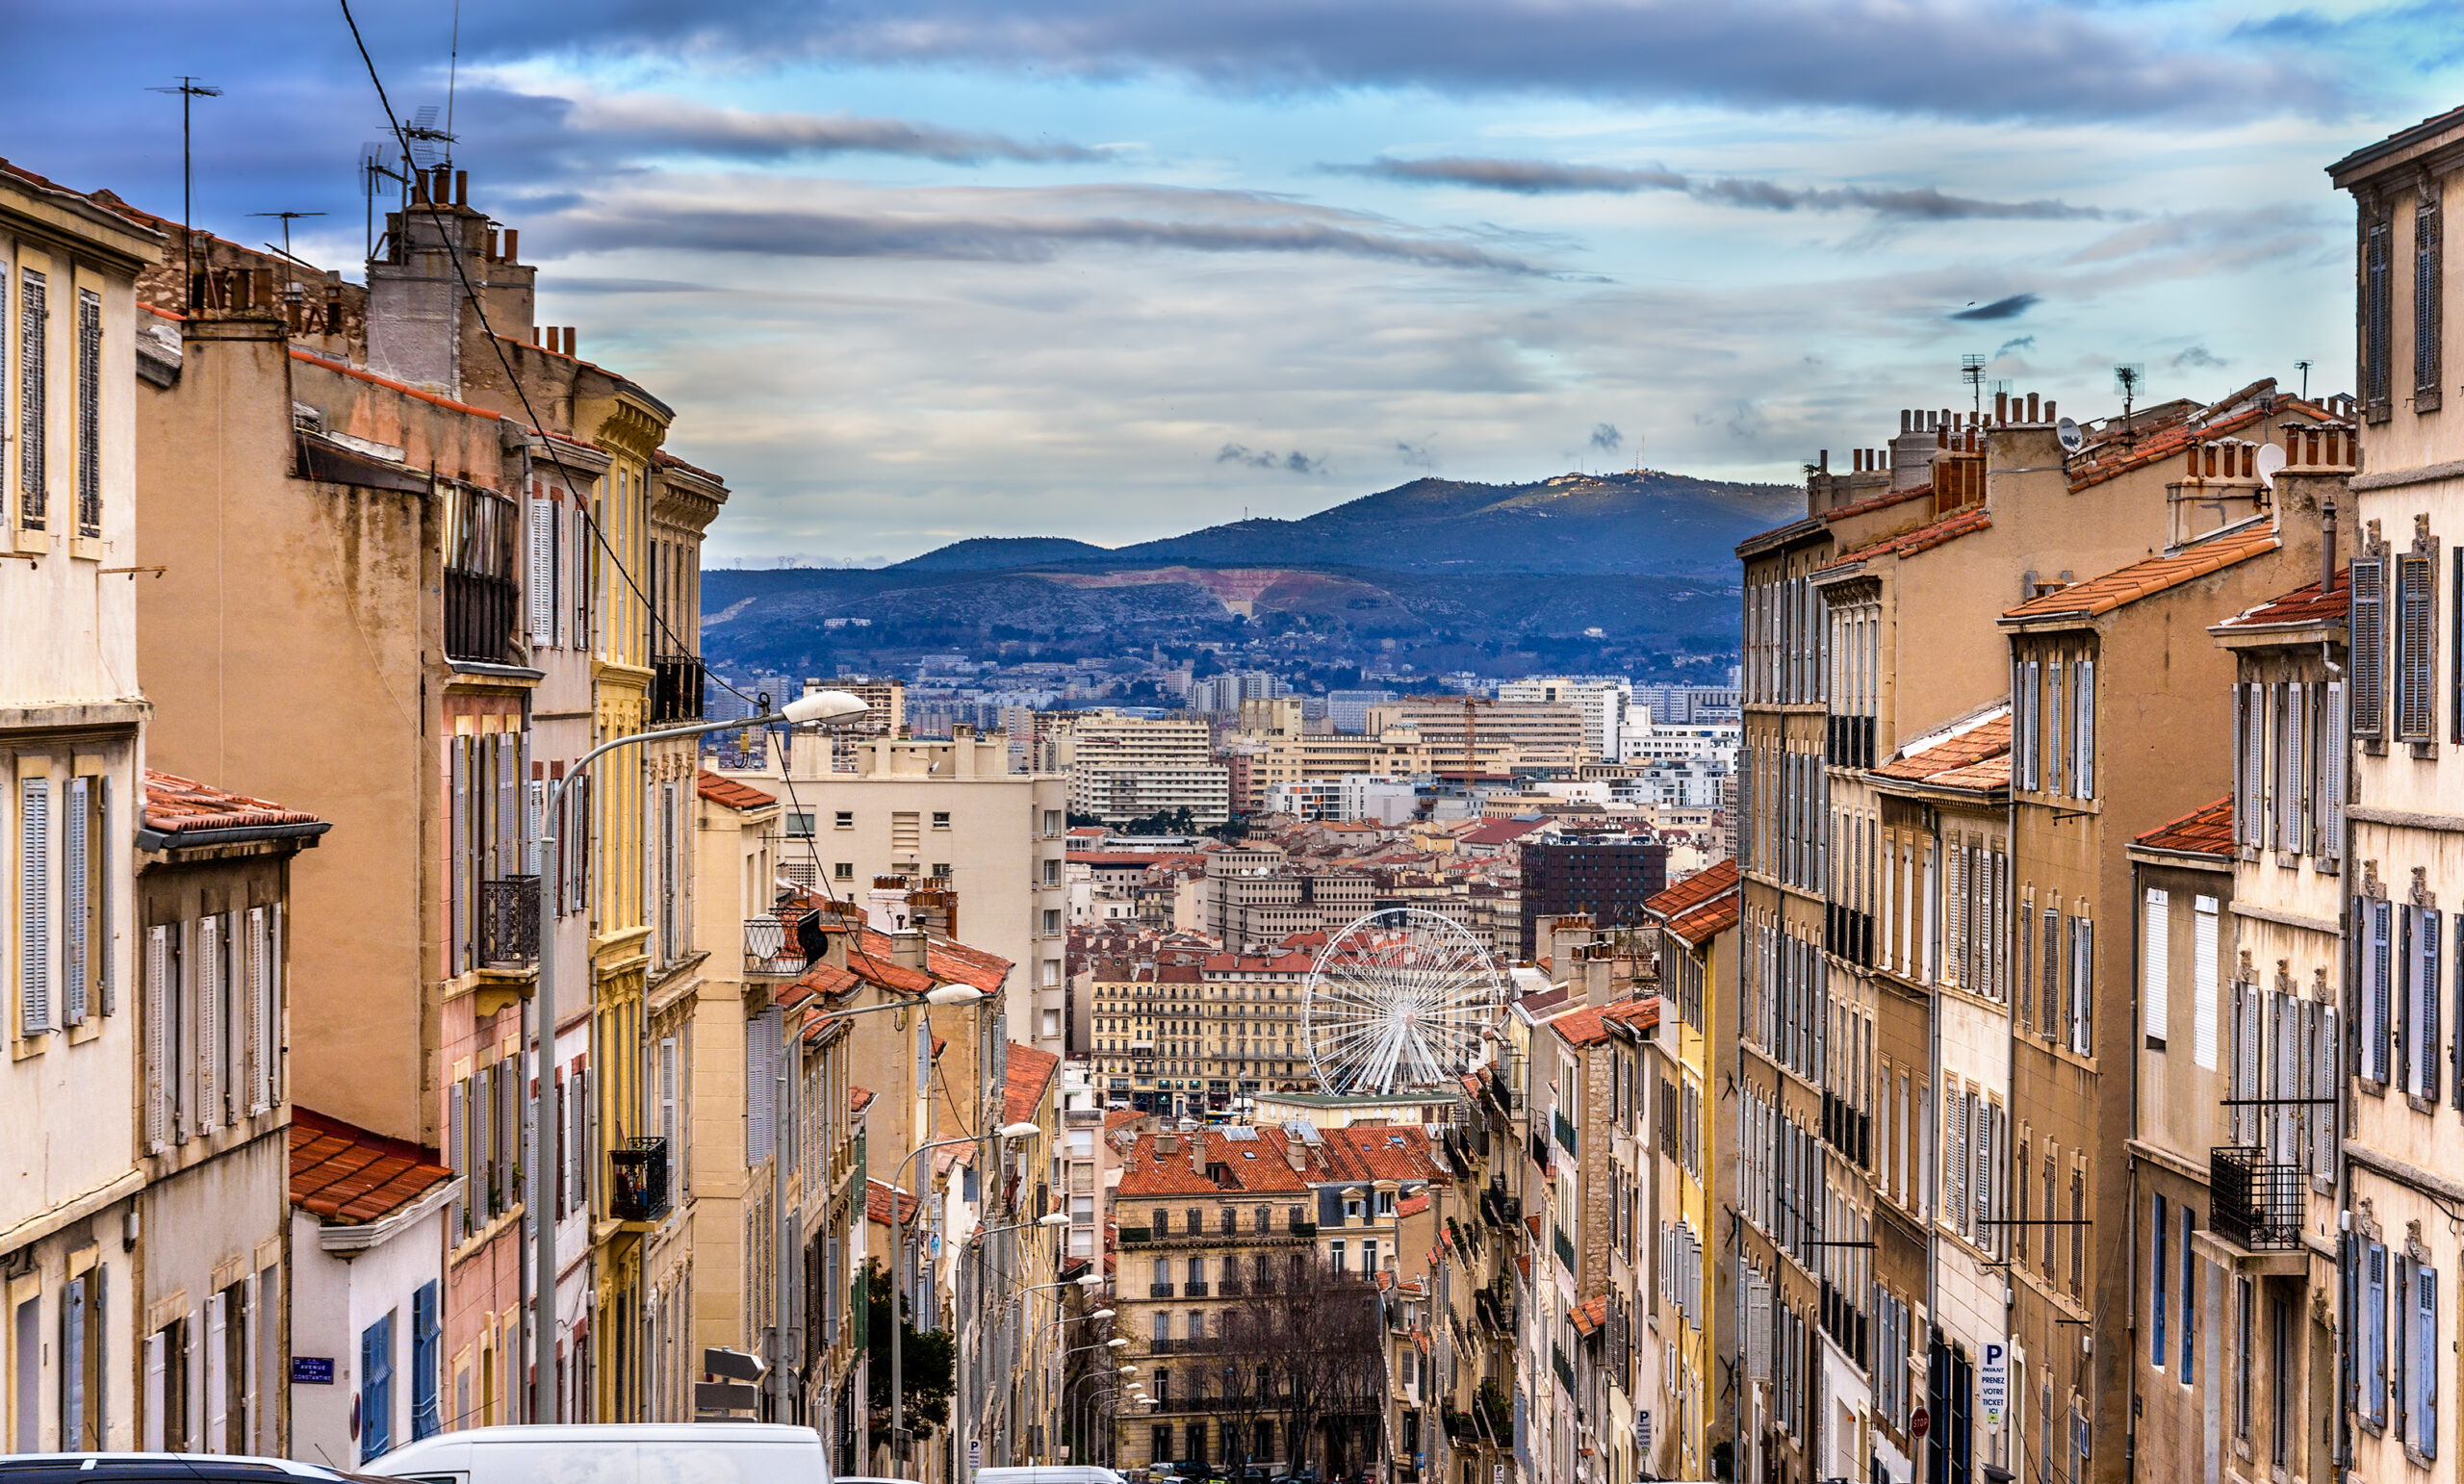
(2126, 381)
(287, 218)
(1972, 372)
(188, 88)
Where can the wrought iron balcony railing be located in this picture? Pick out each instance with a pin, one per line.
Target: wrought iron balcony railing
(479, 616)
(641, 1188)
(675, 689)
(509, 922)
(2255, 1205)
(773, 946)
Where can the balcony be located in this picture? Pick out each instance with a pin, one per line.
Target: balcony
(1194, 1289)
(675, 689)
(639, 1189)
(1540, 1152)
(1849, 934)
(1565, 1132)
(509, 922)
(1159, 1290)
(1564, 1368)
(1565, 1247)
(1850, 742)
(777, 947)
(479, 618)
(2252, 1204)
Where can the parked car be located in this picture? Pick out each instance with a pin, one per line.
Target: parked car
(1049, 1473)
(614, 1453)
(165, 1468)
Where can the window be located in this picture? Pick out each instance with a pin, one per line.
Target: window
(82, 1368)
(940, 869)
(90, 413)
(843, 870)
(2426, 303)
(2155, 940)
(425, 1421)
(2421, 1365)
(2083, 747)
(2376, 917)
(2189, 1326)
(1051, 922)
(941, 819)
(2415, 594)
(2377, 318)
(2160, 1279)
(2083, 942)
(34, 418)
(2367, 696)
(2373, 1334)
(376, 1389)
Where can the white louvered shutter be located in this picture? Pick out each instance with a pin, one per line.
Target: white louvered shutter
(76, 916)
(158, 1007)
(1980, 1193)
(209, 1021)
(2326, 1066)
(33, 906)
(1955, 1158)
(2333, 756)
(2085, 747)
(2155, 951)
(760, 1087)
(667, 1128)
(508, 808)
(260, 1011)
(542, 574)
(218, 1374)
(457, 1158)
(2205, 971)
(106, 979)
(457, 753)
(277, 1002)
(1955, 911)
(534, 813)
(2293, 793)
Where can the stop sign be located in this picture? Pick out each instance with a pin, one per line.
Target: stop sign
(1918, 1420)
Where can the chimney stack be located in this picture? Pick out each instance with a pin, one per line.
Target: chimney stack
(907, 949)
(461, 188)
(2327, 544)
(512, 239)
(2031, 407)
(2001, 407)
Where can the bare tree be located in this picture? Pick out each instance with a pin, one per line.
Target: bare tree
(1315, 1354)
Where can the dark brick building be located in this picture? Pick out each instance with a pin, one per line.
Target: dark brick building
(1609, 878)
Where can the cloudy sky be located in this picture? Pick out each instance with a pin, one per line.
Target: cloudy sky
(917, 269)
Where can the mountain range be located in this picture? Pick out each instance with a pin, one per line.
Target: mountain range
(1615, 569)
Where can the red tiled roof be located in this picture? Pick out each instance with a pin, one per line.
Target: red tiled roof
(1120, 1117)
(1580, 1027)
(175, 804)
(2300, 608)
(1375, 1151)
(877, 1194)
(1590, 1316)
(1923, 538)
(1882, 501)
(666, 460)
(2144, 578)
(403, 387)
(1992, 772)
(860, 1098)
(2257, 402)
(1030, 1072)
(1696, 889)
(2205, 830)
(735, 795)
(1255, 1164)
(1412, 1205)
(1708, 921)
(958, 963)
(1986, 739)
(1642, 1013)
(1500, 831)
(351, 1177)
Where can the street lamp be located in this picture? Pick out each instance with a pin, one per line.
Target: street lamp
(805, 711)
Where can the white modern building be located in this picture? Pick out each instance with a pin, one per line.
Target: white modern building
(1602, 700)
(1124, 767)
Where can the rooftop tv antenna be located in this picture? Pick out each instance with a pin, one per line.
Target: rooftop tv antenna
(287, 218)
(1972, 372)
(2127, 380)
(2303, 367)
(188, 88)
(425, 136)
(372, 168)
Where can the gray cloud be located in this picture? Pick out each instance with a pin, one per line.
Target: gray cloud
(1543, 177)
(1606, 439)
(2015, 343)
(648, 122)
(1005, 225)
(2198, 358)
(2011, 307)
(1295, 462)
(1416, 455)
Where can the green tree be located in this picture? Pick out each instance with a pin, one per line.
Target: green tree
(930, 1359)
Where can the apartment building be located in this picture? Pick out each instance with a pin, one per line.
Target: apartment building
(1543, 734)
(212, 877)
(72, 740)
(1253, 896)
(2406, 878)
(1686, 1156)
(1606, 877)
(1124, 768)
(1603, 701)
(1206, 1220)
(945, 811)
(1184, 1030)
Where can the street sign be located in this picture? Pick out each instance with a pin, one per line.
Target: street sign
(1918, 1420)
(1993, 1384)
(1643, 1429)
(725, 1397)
(730, 1365)
(1497, 1474)
(311, 1370)
(974, 1453)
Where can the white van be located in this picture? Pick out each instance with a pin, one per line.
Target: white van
(1049, 1473)
(614, 1453)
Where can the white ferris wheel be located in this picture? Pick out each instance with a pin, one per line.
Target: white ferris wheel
(1401, 999)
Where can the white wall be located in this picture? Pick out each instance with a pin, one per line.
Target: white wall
(333, 1302)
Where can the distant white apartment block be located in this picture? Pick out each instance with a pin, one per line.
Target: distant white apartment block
(1603, 701)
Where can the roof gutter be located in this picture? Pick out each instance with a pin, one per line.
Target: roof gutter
(234, 834)
(349, 1241)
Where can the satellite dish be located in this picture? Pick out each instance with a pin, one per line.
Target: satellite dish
(2270, 459)
(2072, 440)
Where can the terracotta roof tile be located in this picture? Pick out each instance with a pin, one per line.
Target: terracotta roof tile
(1924, 538)
(732, 793)
(2301, 608)
(1704, 923)
(1696, 889)
(1982, 776)
(877, 1196)
(2205, 830)
(1882, 501)
(2145, 578)
(1988, 738)
(1254, 1165)
(175, 804)
(666, 460)
(347, 1176)
(860, 1098)
(1030, 1072)
(1642, 1013)
(1590, 1316)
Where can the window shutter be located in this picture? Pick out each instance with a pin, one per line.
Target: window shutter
(2426, 304)
(2084, 747)
(2382, 984)
(2377, 318)
(34, 417)
(77, 926)
(2425, 988)
(1955, 1158)
(457, 753)
(104, 898)
(2334, 758)
(2032, 706)
(260, 1011)
(2414, 704)
(33, 906)
(277, 996)
(2206, 974)
(2051, 977)
(2056, 760)
(2154, 951)
(218, 1380)
(209, 1018)
(542, 574)
(1980, 1193)
(534, 813)
(1954, 910)
(2326, 1063)
(760, 1087)
(2293, 794)
(157, 1009)
(2369, 645)
(508, 804)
